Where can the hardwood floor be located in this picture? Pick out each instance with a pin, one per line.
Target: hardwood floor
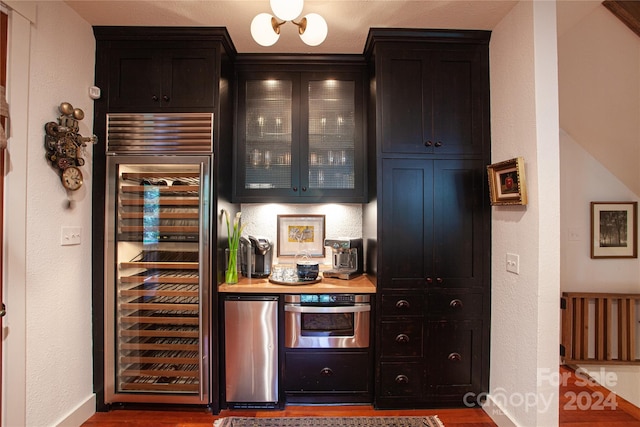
(582, 404)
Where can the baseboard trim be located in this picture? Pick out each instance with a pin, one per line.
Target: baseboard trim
(80, 414)
(497, 414)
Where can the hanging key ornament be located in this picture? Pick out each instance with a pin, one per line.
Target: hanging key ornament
(65, 146)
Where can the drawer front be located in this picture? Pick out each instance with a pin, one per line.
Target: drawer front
(327, 372)
(401, 379)
(402, 305)
(402, 338)
(454, 305)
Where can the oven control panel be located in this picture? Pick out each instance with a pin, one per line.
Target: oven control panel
(327, 299)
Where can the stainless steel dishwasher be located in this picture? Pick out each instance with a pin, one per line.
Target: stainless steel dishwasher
(251, 351)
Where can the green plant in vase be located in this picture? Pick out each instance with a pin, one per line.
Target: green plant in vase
(231, 275)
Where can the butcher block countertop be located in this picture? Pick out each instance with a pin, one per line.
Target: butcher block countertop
(357, 285)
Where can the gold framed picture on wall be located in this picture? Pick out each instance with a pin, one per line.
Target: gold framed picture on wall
(507, 184)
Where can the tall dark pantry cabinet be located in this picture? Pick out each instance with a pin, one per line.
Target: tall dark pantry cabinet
(428, 223)
(161, 175)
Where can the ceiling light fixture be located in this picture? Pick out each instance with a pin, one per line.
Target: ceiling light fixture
(265, 29)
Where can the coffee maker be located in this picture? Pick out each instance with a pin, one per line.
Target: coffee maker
(255, 256)
(346, 258)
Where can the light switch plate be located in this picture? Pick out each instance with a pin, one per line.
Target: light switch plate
(71, 236)
(513, 263)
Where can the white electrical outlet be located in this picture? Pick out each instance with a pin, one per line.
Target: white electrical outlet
(71, 236)
(513, 263)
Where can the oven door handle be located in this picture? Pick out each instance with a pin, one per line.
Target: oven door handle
(358, 308)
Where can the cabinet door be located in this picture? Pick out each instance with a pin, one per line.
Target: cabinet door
(406, 244)
(331, 151)
(459, 96)
(460, 224)
(267, 149)
(189, 78)
(405, 95)
(454, 362)
(433, 223)
(434, 101)
(135, 79)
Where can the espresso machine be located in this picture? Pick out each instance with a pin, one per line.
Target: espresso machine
(346, 258)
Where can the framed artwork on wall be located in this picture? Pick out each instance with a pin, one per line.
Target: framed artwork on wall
(301, 235)
(507, 184)
(614, 229)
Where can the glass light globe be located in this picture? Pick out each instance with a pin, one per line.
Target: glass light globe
(262, 31)
(316, 30)
(287, 10)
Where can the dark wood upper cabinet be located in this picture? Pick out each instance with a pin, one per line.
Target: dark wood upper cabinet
(151, 79)
(300, 132)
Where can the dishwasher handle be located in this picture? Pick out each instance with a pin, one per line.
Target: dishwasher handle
(357, 308)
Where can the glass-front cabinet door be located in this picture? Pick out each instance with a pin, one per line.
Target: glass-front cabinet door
(300, 138)
(157, 279)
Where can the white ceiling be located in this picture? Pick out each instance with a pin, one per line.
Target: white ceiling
(348, 20)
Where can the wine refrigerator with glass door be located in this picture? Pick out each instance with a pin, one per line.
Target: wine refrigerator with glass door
(158, 279)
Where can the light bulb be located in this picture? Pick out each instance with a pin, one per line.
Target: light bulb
(287, 10)
(316, 30)
(262, 31)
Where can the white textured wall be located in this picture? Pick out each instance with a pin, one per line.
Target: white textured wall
(525, 317)
(57, 349)
(599, 75)
(341, 220)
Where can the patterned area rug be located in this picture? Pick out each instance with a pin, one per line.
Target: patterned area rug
(431, 421)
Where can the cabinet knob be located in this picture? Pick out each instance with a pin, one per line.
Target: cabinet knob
(295, 189)
(402, 379)
(429, 280)
(3, 310)
(439, 144)
(454, 357)
(439, 280)
(403, 304)
(154, 98)
(402, 339)
(428, 143)
(456, 303)
(165, 98)
(304, 188)
(326, 372)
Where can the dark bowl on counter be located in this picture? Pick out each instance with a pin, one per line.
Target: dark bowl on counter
(308, 270)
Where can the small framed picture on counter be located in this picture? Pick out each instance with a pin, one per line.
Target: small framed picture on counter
(300, 235)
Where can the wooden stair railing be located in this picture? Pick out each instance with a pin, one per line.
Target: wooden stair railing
(604, 322)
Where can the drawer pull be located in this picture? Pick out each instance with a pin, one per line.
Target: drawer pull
(403, 304)
(402, 339)
(402, 379)
(439, 144)
(439, 280)
(428, 143)
(326, 372)
(456, 303)
(429, 280)
(455, 357)
(165, 98)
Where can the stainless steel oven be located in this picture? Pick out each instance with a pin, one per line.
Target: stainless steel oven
(327, 321)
